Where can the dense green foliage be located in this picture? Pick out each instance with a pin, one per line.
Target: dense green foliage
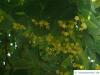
(49, 37)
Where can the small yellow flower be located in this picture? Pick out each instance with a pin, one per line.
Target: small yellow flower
(49, 38)
(65, 34)
(81, 67)
(63, 26)
(33, 20)
(60, 22)
(44, 23)
(18, 26)
(76, 18)
(83, 27)
(41, 23)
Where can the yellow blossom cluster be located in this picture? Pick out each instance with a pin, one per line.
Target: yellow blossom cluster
(34, 39)
(41, 23)
(18, 26)
(44, 23)
(73, 48)
(66, 24)
(34, 21)
(79, 66)
(57, 47)
(52, 45)
(67, 27)
(82, 26)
